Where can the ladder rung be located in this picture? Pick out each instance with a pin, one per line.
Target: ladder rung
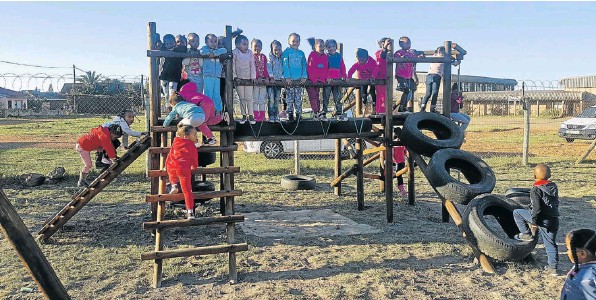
(198, 171)
(194, 251)
(203, 149)
(192, 222)
(197, 196)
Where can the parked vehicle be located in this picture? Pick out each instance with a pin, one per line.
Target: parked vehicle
(277, 149)
(582, 127)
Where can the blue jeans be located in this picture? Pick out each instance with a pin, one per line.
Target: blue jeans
(407, 87)
(327, 91)
(211, 86)
(273, 94)
(433, 83)
(523, 217)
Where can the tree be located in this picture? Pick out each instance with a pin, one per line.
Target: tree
(50, 88)
(89, 81)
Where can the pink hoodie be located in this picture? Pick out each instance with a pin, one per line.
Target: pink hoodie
(381, 70)
(404, 70)
(190, 94)
(316, 67)
(365, 71)
(261, 65)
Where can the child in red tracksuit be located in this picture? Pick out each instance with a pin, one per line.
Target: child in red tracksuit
(98, 139)
(182, 160)
(365, 66)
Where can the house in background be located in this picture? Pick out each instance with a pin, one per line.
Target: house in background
(10, 99)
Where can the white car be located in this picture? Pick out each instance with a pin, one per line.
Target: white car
(581, 127)
(276, 149)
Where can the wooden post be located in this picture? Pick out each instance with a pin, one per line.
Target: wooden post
(411, 189)
(297, 157)
(382, 169)
(154, 109)
(35, 262)
(447, 82)
(389, 140)
(337, 167)
(527, 111)
(359, 175)
(72, 91)
(588, 151)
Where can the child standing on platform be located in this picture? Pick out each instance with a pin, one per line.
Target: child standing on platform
(260, 91)
(294, 63)
(182, 160)
(581, 279)
(337, 70)
(171, 68)
(457, 102)
(317, 69)
(244, 68)
(365, 66)
(194, 66)
(276, 72)
(98, 139)
(405, 73)
(543, 216)
(381, 73)
(212, 71)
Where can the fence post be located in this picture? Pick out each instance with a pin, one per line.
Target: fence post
(297, 157)
(74, 82)
(527, 110)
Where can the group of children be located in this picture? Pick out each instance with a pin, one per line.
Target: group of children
(323, 65)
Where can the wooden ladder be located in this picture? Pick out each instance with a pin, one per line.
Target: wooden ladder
(82, 197)
(226, 193)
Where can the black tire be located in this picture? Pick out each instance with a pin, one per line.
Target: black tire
(32, 179)
(569, 140)
(480, 177)
(203, 186)
(487, 239)
(271, 149)
(517, 191)
(448, 135)
(523, 200)
(298, 182)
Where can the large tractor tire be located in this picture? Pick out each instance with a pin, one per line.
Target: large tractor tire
(487, 238)
(447, 134)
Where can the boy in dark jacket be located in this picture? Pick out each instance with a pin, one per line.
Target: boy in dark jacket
(542, 216)
(171, 69)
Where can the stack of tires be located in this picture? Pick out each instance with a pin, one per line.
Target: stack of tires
(480, 181)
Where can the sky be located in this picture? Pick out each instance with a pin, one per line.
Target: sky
(518, 40)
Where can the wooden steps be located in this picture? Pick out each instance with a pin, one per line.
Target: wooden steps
(226, 248)
(193, 222)
(198, 171)
(203, 149)
(197, 195)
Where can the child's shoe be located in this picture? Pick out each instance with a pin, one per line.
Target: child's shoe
(402, 190)
(551, 270)
(251, 120)
(282, 115)
(291, 117)
(174, 189)
(190, 214)
(243, 120)
(83, 180)
(211, 141)
(322, 116)
(298, 117)
(526, 237)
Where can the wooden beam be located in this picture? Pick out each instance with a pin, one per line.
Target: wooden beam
(388, 135)
(307, 137)
(588, 151)
(162, 53)
(198, 171)
(29, 252)
(284, 83)
(374, 150)
(194, 251)
(337, 167)
(359, 175)
(174, 128)
(203, 149)
(192, 222)
(344, 175)
(196, 195)
(446, 60)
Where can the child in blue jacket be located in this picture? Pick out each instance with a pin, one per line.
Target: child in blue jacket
(294, 63)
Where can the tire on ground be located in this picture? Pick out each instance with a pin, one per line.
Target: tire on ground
(487, 239)
(521, 198)
(298, 182)
(480, 177)
(517, 191)
(32, 179)
(448, 135)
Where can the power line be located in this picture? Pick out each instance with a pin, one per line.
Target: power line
(35, 66)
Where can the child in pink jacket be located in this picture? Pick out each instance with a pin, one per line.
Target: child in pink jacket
(244, 68)
(365, 66)
(381, 73)
(316, 67)
(260, 91)
(190, 94)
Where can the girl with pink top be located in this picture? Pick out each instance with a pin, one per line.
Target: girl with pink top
(244, 68)
(405, 73)
(365, 66)
(399, 162)
(337, 70)
(381, 73)
(260, 92)
(316, 68)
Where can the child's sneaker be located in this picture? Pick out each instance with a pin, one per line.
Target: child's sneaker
(174, 189)
(190, 214)
(271, 119)
(402, 190)
(282, 115)
(291, 117)
(526, 237)
(323, 116)
(251, 120)
(198, 145)
(211, 141)
(342, 117)
(243, 120)
(551, 270)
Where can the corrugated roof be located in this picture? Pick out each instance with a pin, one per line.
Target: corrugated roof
(503, 96)
(579, 82)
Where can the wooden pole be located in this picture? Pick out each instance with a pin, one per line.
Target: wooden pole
(527, 111)
(337, 167)
(446, 107)
(411, 185)
(389, 139)
(154, 109)
(35, 262)
(590, 148)
(297, 157)
(359, 175)
(72, 91)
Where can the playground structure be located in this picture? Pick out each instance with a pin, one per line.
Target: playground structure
(377, 130)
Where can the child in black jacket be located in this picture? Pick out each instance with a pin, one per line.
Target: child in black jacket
(543, 216)
(171, 68)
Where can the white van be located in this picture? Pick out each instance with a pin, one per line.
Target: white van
(581, 127)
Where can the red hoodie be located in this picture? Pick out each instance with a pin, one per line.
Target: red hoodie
(365, 71)
(183, 155)
(190, 94)
(97, 139)
(381, 71)
(261, 65)
(316, 67)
